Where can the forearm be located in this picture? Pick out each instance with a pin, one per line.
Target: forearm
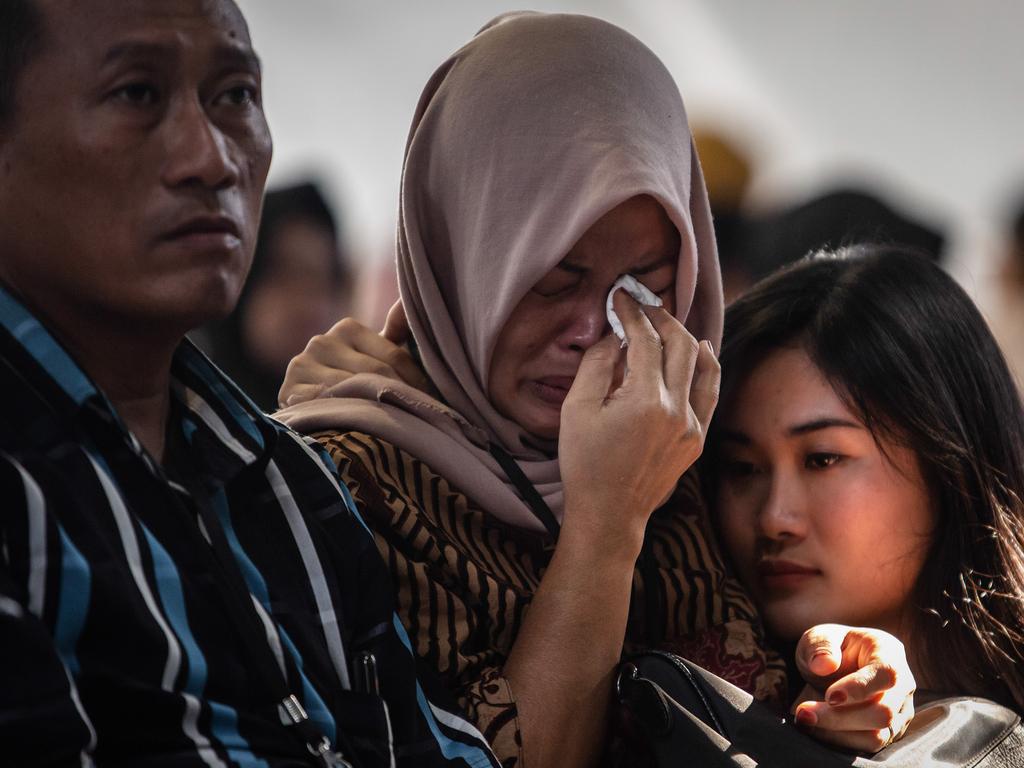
(563, 661)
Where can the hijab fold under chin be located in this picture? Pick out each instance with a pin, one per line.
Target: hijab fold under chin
(520, 142)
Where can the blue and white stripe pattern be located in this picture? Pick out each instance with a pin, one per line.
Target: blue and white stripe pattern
(112, 599)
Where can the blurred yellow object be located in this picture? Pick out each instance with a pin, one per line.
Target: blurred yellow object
(727, 168)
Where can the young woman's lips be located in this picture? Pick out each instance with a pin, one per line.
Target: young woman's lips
(783, 575)
(552, 389)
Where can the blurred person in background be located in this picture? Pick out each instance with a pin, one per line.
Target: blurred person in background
(1006, 315)
(831, 219)
(727, 169)
(752, 246)
(299, 284)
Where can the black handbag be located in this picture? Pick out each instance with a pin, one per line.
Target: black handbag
(686, 716)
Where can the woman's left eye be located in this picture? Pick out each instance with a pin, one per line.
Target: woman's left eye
(822, 460)
(554, 288)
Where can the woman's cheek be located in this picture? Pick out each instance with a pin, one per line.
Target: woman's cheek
(737, 531)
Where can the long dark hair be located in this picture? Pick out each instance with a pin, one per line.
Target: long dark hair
(910, 354)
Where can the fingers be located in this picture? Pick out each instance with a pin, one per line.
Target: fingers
(880, 668)
(688, 366)
(863, 727)
(860, 716)
(870, 699)
(819, 653)
(596, 373)
(681, 350)
(645, 349)
(346, 349)
(706, 385)
(396, 324)
(867, 742)
(354, 347)
(868, 683)
(298, 393)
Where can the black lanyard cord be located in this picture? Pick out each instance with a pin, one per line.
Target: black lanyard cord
(653, 591)
(527, 491)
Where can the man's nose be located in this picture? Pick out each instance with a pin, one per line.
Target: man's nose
(585, 325)
(198, 151)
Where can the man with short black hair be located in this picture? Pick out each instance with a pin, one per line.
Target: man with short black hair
(182, 580)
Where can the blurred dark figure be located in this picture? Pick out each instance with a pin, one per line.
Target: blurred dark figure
(832, 220)
(1007, 315)
(296, 289)
(1013, 267)
(727, 172)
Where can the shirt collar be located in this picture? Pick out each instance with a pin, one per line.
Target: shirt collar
(229, 422)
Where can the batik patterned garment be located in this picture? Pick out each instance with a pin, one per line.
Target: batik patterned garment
(118, 644)
(465, 581)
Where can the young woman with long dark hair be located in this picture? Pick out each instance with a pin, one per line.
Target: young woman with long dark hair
(867, 465)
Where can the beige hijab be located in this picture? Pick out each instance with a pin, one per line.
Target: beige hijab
(520, 142)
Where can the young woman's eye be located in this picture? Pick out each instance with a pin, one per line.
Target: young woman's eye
(822, 460)
(139, 94)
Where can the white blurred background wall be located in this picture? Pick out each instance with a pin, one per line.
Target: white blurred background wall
(923, 99)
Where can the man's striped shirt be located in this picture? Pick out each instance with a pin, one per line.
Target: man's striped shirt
(117, 643)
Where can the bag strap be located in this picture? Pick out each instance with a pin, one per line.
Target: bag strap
(530, 494)
(684, 710)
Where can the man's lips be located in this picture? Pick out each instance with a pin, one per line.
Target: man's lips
(784, 574)
(212, 230)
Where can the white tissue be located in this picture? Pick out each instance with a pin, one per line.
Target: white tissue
(638, 291)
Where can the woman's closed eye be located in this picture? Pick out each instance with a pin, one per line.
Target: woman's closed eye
(662, 291)
(556, 285)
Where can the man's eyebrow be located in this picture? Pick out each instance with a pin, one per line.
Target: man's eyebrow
(135, 49)
(238, 58)
(819, 424)
(234, 57)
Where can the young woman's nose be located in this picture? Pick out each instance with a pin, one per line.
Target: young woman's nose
(782, 515)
